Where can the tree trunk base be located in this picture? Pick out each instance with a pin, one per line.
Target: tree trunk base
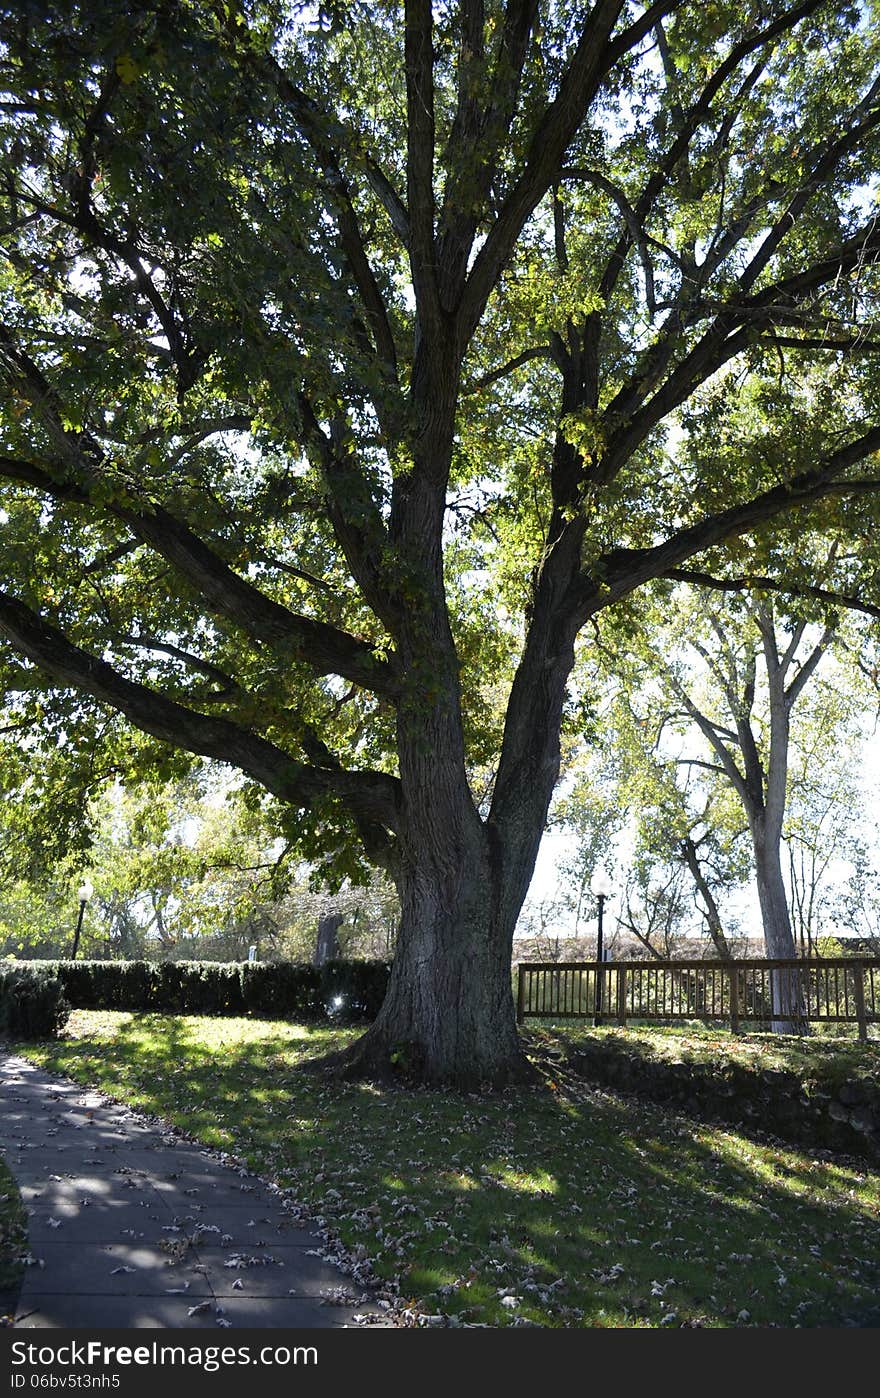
(374, 1057)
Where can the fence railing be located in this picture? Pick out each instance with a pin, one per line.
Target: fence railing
(779, 993)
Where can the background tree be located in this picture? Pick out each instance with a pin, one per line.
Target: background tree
(750, 747)
(857, 911)
(756, 666)
(828, 832)
(184, 870)
(687, 827)
(587, 819)
(310, 332)
(39, 922)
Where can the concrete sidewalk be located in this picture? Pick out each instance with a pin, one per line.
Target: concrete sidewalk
(131, 1227)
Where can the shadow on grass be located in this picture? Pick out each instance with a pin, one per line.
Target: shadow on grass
(554, 1205)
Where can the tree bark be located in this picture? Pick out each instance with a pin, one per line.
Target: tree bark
(787, 999)
(327, 943)
(448, 1016)
(710, 911)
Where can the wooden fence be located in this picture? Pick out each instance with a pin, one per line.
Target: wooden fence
(827, 990)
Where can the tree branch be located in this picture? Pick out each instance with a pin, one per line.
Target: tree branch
(106, 560)
(694, 119)
(472, 153)
(809, 665)
(776, 302)
(204, 667)
(855, 343)
(485, 380)
(354, 515)
(85, 221)
(637, 233)
(593, 58)
(823, 167)
(371, 796)
(758, 582)
(419, 61)
(316, 126)
(620, 571)
(234, 422)
(713, 738)
(317, 643)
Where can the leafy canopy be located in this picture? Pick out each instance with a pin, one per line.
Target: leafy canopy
(318, 325)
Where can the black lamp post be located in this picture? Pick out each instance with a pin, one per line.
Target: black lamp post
(83, 893)
(601, 887)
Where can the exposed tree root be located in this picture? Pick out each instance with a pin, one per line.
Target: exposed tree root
(374, 1058)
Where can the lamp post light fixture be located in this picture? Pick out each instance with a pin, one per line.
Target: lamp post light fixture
(83, 893)
(600, 886)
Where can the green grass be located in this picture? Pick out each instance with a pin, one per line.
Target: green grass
(580, 1208)
(13, 1241)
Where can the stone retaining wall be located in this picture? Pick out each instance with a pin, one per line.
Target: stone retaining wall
(843, 1118)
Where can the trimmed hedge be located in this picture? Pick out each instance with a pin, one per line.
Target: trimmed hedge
(32, 1003)
(345, 990)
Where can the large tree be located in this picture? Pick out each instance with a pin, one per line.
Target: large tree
(755, 666)
(338, 350)
(750, 748)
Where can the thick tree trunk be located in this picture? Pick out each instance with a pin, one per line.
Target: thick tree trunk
(788, 1008)
(448, 1016)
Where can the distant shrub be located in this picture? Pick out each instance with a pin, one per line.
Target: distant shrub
(197, 987)
(32, 1004)
(349, 990)
(282, 989)
(107, 985)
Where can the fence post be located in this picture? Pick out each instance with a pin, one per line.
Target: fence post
(520, 994)
(733, 979)
(621, 994)
(859, 996)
